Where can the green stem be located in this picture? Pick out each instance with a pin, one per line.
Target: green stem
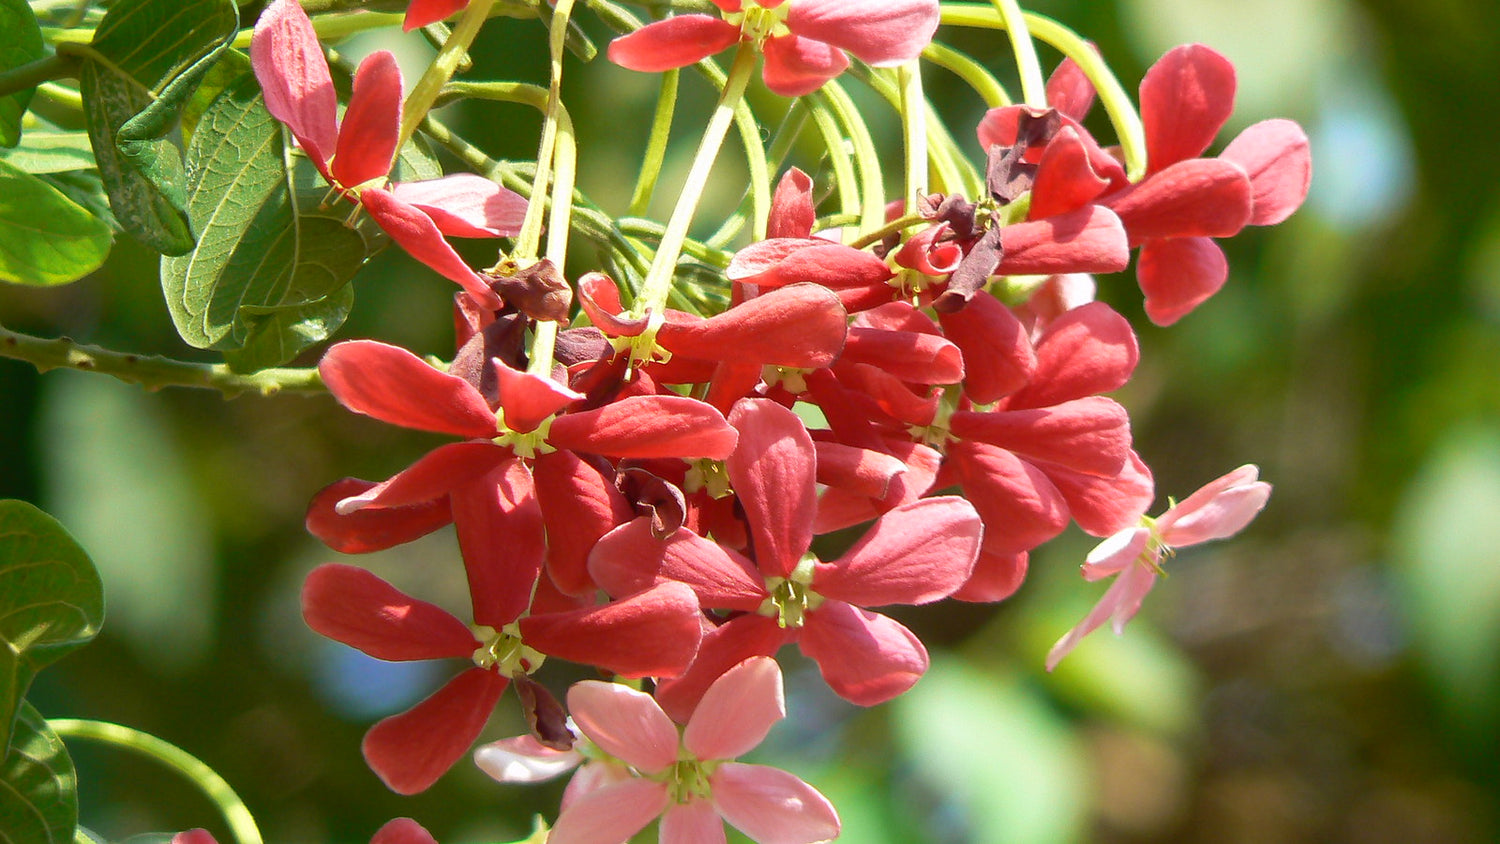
(236, 814)
(558, 147)
(658, 281)
(844, 180)
(1112, 95)
(1033, 84)
(334, 27)
(656, 144)
(443, 66)
(914, 128)
(154, 372)
(976, 75)
(876, 235)
(871, 179)
(27, 76)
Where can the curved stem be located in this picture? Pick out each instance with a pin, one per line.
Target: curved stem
(976, 75)
(236, 814)
(443, 66)
(871, 179)
(876, 235)
(656, 145)
(332, 27)
(844, 180)
(914, 128)
(1033, 84)
(55, 66)
(154, 372)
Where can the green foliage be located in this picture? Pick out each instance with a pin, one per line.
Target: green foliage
(45, 237)
(20, 44)
(51, 152)
(39, 800)
(51, 600)
(266, 276)
(147, 58)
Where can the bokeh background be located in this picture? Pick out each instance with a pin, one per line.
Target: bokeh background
(1332, 675)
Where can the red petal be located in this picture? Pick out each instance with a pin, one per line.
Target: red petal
(579, 506)
(764, 256)
(723, 648)
(1088, 350)
(865, 657)
(294, 77)
(630, 559)
(649, 634)
(411, 750)
(800, 326)
(1065, 178)
(915, 554)
(792, 212)
(677, 41)
(1090, 434)
(1185, 99)
(432, 477)
(1179, 274)
(774, 479)
(393, 385)
(423, 12)
(995, 578)
(1103, 506)
(350, 605)
(858, 471)
(600, 300)
(1275, 154)
(500, 534)
(911, 356)
(781, 262)
(1069, 90)
(1020, 506)
(370, 529)
(403, 831)
(797, 66)
(465, 205)
(527, 398)
(416, 233)
(372, 123)
(880, 32)
(646, 427)
(1200, 197)
(998, 357)
(1088, 240)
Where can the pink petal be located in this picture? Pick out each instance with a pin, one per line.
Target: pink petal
(772, 806)
(693, 822)
(915, 554)
(860, 471)
(403, 831)
(630, 558)
(465, 205)
(998, 356)
(773, 477)
(1200, 197)
(865, 657)
(650, 634)
(353, 606)
(1090, 434)
(1088, 240)
(430, 478)
(592, 776)
(370, 529)
(393, 385)
(880, 32)
(416, 233)
(1111, 556)
(995, 578)
(611, 814)
(527, 399)
(1185, 99)
(500, 533)
(797, 66)
(1276, 155)
(1088, 350)
(1019, 505)
(625, 723)
(764, 256)
(294, 76)
(647, 427)
(1179, 274)
(677, 41)
(723, 647)
(580, 505)
(372, 122)
(411, 750)
(1220, 509)
(200, 836)
(737, 711)
(1121, 600)
(792, 212)
(423, 12)
(523, 759)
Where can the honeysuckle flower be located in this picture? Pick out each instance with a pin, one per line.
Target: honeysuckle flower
(1135, 555)
(398, 831)
(803, 41)
(355, 155)
(639, 767)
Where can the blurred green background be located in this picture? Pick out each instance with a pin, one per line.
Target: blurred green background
(1331, 675)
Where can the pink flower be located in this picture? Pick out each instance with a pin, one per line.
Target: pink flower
(398, 831)
(691, 781)
(355, 156)
(803, 40)
(1219, 510)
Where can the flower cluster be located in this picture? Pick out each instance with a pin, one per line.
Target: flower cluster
(654, 493)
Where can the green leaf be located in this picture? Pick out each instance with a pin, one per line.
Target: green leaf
(51, 600)
(45, 237)
(51, 152)
(151, 56)
(262, 246)
(38, 786)
(284, 333)
(20, 44)
(86, 188)
(231, 65)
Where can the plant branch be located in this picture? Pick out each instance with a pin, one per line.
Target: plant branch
(27, 76)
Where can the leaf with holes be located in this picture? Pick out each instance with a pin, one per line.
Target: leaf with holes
(51, 601)
(45, 237)
(38, 786)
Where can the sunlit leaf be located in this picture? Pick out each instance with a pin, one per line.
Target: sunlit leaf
(38, 787)
(20, 44)
(51, 152)
(51, 600)
(284, 333)
(45, 237)
(156, 52)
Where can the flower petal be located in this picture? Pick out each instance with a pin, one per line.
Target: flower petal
(294, 77)
(915, 554)
(1275, 154)
(1085, 351)
(995, 578)
(1091, 434)
(465, 205)
(403, 831)
(350, 605)
(611, 814)
(1088, 240)
(370, 529)
(625, 723)
(1020, 506)
(1179, 274)
(693, 822)
(528, 398)
(1222, 508)
(630, 558)
(654, 633)
(524, 759)
(500, 534)
(647, 427)
(774, 479)
(1185, 99)
(737, 711)
(677, 41)
(430, 478)
(865, 657)
(423, 12)
(792, 211)
(416, 233)
(998, 356)
(579, 505)
(411, 750)
(772, 806)
(801, 325)
(1200, 197)
(797, 66)
(393, 385)
(723, 647)
(1121, 600)
(372, 122)
(880, 32)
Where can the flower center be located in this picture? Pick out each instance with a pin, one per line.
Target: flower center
(792, 379)
(711, 476)
(503, 650)
(528, 444)
(687, 780)
(792, 598)
(757, 23)
(1156, 551)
